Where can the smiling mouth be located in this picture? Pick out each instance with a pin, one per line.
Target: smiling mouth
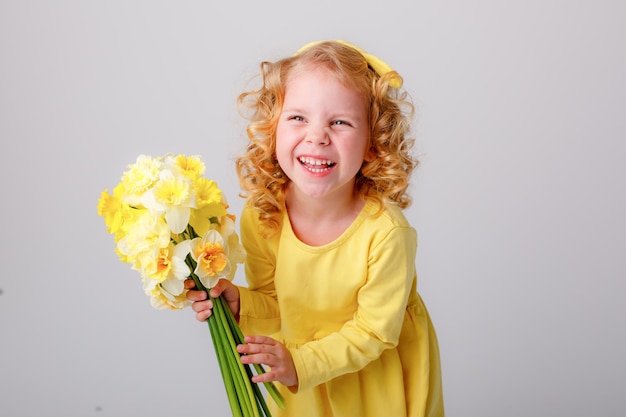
(316, 165)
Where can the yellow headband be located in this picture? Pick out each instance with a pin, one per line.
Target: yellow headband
(378, 65)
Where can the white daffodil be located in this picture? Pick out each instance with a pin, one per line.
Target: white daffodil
(168, 267)
(140, 177)
(160, 298)
(211, 255)
(174, 196)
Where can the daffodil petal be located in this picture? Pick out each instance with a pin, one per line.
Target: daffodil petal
(173, 286)
(177, 218)
(149, 201)
(213, 236)
(193, 244)
(180, 269)
(182, 249)
(210, 281)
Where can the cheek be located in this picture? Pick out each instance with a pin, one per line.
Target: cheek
(280, 140)
(281, 134)
(361, 146)
(285, 139)
(283, 150)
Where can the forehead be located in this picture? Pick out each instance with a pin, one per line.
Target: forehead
(319, 88)
(300, 67)
(318, 77)
(351, 77)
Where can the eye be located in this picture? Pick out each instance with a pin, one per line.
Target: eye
(340, 123)
(297, 118)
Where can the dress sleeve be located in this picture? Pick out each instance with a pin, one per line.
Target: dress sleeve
(258, 313)
(376, 324)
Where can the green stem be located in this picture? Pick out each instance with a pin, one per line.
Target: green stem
(231, 378)
(237, 379)
(244, 396)
(248, 394)
(259, 396)
(239, 339)
(224, 370)
(271, 388)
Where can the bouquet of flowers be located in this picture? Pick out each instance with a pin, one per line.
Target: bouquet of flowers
(170, 223)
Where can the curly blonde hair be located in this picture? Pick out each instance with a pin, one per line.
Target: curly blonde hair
(385, 178)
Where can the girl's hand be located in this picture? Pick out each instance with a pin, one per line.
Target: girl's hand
(267, 351)
(203, 306)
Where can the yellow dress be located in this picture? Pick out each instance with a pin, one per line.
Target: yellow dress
(361, 338)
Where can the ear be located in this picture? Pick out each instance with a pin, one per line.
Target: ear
(370, 155)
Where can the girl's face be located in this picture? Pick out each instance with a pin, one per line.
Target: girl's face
(322, 134)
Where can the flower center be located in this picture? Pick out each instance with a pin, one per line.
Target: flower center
(172, 192)
(211, 258)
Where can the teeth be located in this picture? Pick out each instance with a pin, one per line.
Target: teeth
(311, 161)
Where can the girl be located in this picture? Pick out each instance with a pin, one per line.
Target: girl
(330, 256)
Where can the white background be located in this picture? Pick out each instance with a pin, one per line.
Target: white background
(519, 199)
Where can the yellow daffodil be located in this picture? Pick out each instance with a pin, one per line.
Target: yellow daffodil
(191, 167)
(109, 207)
(208, 193)
(210, 206)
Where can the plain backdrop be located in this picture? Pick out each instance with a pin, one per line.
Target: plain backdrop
(519, 200)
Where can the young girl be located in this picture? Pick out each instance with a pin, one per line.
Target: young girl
(330, 257)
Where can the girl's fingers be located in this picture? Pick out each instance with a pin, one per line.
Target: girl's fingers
(195, 295)
(203, 310)
(261, 350)
(200, 306)
(266, 340)
(267, 351)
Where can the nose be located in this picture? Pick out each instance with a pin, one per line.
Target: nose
(317, 135)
